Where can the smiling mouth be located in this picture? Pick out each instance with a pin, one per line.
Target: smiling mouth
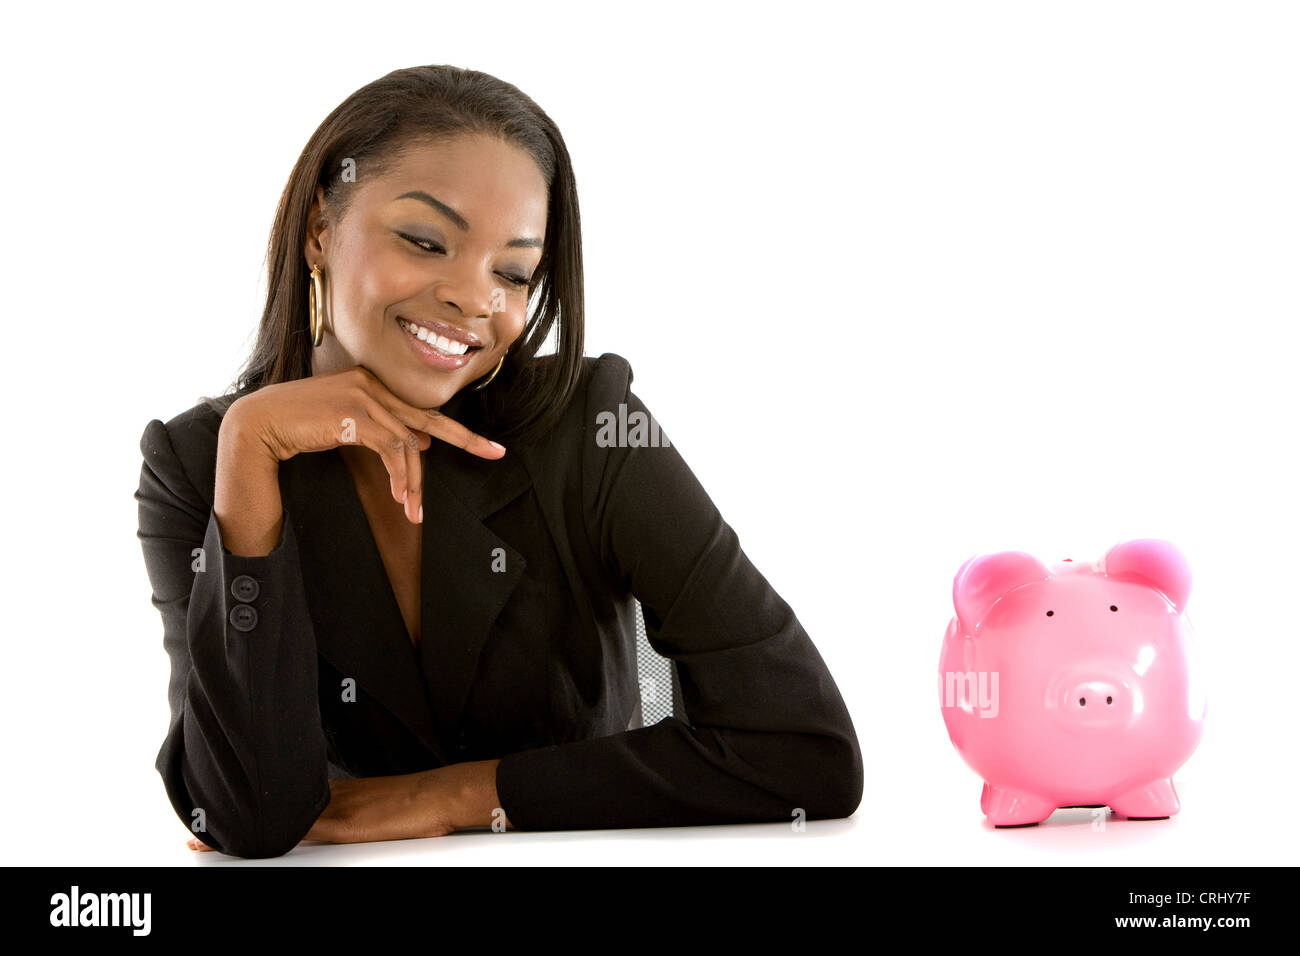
(450, 342)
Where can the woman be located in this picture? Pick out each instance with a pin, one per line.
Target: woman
(398, 565)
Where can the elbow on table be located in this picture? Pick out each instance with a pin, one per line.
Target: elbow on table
(812, 776)
(235, 829)
(260, 847)
(252, 838)
(840, 779)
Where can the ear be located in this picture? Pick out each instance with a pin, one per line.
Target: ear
(317, 238)
(1152, 562)
(982, 580)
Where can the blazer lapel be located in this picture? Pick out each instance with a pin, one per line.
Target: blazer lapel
(358, 625)
(469, 571)
(357, 622)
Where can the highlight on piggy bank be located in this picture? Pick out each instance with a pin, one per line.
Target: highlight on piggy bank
(1073, 685)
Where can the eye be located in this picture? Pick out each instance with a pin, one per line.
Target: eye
(1050, 613)
(428, 245)
(1114, 608)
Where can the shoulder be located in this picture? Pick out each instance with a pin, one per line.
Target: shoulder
(576, 458)
(600, 374)
(607, 371)
(607, 384)
(603, 377)
(185, 445)
(604, 381)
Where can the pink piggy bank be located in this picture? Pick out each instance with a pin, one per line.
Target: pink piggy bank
(1073, 685)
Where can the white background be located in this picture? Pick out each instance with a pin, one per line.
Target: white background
(987, 276)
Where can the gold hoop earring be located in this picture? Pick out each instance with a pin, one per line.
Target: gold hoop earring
(315, 303)
(488, 380)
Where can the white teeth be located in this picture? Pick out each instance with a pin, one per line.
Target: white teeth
(440, 342)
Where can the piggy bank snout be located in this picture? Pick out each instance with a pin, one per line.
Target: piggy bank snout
(1095, 700)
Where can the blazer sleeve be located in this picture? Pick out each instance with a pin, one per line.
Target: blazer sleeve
(769, 734)
(244, 752)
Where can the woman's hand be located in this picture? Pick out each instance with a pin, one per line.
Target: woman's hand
(369, 809)
(408, 806)
(352, 406)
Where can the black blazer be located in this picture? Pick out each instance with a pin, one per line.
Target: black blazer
(531, 567)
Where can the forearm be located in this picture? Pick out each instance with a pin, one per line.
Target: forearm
(244, 761)
(246, 499)
(412, 806)
(471, 789)
(672, 775)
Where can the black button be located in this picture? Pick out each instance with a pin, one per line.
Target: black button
(244, 588)
(243, 617)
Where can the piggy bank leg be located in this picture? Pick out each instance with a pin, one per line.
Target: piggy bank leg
(1154, 801)
(1014, 808)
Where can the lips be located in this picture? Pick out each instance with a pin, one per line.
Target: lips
(434, 329)
(437, 352)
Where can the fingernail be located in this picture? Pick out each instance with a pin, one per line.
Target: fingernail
(421, 517)
(404, 491)
(495, 445)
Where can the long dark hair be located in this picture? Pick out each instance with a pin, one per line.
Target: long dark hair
(370, 128)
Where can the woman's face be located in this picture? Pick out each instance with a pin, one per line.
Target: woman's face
(440, 241)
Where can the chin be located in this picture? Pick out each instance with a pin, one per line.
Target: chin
(436, 398)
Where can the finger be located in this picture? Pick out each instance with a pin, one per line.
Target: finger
(412, 443)
(390, 447)
(414, 484)
(436, 424)
(388, 437)
(454, 433)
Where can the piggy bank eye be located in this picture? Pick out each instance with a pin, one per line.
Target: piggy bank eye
(1114, 608)
(1050, 613)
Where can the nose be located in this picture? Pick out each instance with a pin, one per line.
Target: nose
(470, 296)
(1095, 701)
(1097, 693)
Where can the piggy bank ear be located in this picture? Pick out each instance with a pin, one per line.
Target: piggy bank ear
(984, 579)
(1153, 562)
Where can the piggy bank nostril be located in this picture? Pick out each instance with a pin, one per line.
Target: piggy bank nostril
(1083, 702)
(1110, 700)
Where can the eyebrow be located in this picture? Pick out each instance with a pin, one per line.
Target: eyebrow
(459, 220)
